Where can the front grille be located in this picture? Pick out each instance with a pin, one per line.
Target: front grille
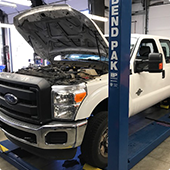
(9, 84)
(33, 96)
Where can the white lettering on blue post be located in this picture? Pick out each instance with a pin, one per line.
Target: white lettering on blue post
(114, 44)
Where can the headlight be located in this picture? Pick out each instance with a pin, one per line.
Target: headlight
(66, 100)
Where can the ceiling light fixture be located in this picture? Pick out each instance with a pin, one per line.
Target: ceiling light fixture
(94, 17)
(20, 2)
(8, 4)
(97, 18)
(2, 25)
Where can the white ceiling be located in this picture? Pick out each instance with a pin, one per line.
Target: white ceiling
(11, 12)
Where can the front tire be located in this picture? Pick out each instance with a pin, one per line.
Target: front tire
(95, 144)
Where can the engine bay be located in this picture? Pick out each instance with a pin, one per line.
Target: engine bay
(67, 73)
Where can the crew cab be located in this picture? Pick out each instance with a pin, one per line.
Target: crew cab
(51, 110)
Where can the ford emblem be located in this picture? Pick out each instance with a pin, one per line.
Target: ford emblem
(11, 99)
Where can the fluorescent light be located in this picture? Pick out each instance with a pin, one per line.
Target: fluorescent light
(85, 12)
(97, 18)
(8, 4)
(94, 17)
(20, 2)
(2, 25)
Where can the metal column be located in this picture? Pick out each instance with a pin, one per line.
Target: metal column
(146, 15)
(120, 24)
(97, 8)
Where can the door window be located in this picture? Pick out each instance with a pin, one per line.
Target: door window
(146, 47)
(166, 49)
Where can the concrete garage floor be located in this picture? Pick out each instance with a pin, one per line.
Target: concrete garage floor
(158, 159)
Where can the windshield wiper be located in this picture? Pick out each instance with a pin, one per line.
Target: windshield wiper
(93, 60)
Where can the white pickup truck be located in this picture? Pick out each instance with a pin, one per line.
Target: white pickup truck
(51, 110)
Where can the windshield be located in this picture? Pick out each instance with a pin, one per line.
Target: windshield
(74, 57)
(132, 43)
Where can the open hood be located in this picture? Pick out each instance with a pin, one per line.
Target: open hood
(59, 29)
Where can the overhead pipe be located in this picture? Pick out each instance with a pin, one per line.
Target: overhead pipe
(147, 2)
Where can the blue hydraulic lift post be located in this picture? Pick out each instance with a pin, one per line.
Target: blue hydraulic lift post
(119, 57)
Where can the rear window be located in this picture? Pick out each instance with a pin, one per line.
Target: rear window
(166, 49)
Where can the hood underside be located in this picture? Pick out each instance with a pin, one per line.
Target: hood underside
(59, 29)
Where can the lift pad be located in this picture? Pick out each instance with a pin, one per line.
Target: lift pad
(88, 167)
(3, 149)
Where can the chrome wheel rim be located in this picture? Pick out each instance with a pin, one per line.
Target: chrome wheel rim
(103, 145)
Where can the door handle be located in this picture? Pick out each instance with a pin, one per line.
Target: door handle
(163, 74)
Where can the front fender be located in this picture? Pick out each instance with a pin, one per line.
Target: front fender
(95, 96)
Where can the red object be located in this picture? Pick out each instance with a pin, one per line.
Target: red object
(160, 66)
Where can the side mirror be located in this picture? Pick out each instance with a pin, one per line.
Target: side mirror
(155, 63)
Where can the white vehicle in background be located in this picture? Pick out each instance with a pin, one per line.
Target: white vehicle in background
(52, 110)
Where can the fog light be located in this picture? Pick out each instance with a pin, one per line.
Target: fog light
(56, 138)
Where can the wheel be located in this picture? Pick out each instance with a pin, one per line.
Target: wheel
(95, 144)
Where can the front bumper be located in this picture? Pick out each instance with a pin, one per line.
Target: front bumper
(23, 132)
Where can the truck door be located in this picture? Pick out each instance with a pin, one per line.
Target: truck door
(165, 50)
(145, 88)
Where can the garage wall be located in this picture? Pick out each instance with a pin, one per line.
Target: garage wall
(159, 20)
(138, 21)
(106, 26)
(158, 23)
(83, 5)
(10, 18)
(21, 50)
(138, 24)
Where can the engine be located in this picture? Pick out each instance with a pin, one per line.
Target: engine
(63, 75)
